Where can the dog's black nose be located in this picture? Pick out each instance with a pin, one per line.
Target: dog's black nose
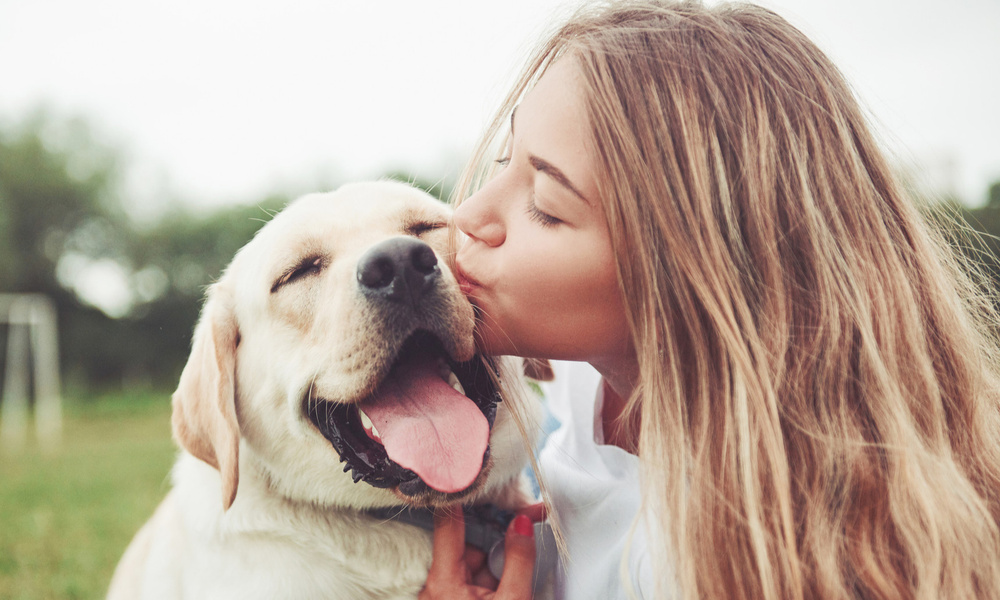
(400, 269)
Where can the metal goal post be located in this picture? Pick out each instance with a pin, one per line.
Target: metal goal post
(32, 356)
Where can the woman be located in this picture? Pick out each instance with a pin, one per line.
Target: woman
(689, 199)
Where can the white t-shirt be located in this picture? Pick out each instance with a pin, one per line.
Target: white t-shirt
(595, 491)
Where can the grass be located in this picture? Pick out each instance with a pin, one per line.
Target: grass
(66, 518)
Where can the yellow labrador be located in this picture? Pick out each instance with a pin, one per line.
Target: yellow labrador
(333, 371)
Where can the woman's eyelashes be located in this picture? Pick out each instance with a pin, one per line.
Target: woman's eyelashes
(543, 219)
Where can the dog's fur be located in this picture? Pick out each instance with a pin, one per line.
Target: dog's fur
(289, 522)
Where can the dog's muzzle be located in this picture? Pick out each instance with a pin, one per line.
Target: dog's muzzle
(373, 437)
(425, 427)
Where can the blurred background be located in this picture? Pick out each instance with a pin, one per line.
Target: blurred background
(142, 143)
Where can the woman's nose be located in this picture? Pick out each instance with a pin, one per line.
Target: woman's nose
(479, 218)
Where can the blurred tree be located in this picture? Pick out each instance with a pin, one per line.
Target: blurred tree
(60, 215)
(175, 261)
(55, 185)
(55, 196)
(975, 232)
(993, 196)
(64, 233)
(440, 189)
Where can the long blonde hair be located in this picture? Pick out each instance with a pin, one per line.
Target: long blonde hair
(818, 376)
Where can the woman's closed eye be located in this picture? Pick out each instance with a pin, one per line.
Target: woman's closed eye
(542, 218)
(536, 214)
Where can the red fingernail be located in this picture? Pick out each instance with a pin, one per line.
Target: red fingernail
(523, 526)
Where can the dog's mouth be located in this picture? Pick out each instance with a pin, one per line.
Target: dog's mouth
(425, 428)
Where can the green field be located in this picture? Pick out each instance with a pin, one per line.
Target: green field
(65, 519)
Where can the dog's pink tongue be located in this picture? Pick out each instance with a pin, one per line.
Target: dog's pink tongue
(429, 427)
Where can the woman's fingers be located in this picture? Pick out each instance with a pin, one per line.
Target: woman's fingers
(475, 559)
(535, 512)
(519, 560)
(448, 560)
(448, 578)
(484, 579)
(451, 564)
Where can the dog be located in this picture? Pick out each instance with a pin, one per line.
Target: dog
(333, 370)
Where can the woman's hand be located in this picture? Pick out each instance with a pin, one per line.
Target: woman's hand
(458, 573)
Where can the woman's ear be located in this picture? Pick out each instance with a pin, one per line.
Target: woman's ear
(204, 405)
(539, 369)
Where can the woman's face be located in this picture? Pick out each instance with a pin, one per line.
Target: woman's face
(538, 260)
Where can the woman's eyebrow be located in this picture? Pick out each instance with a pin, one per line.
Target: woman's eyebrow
(543, 166)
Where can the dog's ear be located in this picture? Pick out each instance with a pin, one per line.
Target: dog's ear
(204, 405)
(538, 369)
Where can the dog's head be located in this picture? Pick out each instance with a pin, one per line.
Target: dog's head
(339, 349)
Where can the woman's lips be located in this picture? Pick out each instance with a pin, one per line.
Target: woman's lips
(467, 284)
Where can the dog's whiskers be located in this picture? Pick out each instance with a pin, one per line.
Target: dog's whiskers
(268, 212)
(311, 401)
(493, 328)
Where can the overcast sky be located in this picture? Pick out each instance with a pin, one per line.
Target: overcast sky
(220, 101)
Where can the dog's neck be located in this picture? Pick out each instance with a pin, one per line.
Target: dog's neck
(485, 524)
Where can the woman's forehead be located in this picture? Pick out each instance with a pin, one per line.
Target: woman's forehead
(551, 123)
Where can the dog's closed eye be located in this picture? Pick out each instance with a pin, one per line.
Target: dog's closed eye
(311, 265)
(420, 227)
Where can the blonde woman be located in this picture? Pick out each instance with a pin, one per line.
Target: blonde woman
(690, 200)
